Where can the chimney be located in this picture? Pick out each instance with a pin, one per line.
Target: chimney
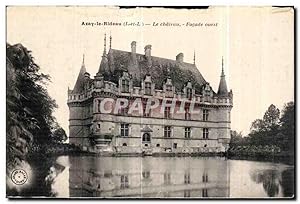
(148, 51)
(179, 57)
(133, 47)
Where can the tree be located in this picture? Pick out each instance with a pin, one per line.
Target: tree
(236, 138)
(18, 124)
(264, 131)
(59, 135)
(257, 125)
(29, 106)
(287, 129)
(271, 117)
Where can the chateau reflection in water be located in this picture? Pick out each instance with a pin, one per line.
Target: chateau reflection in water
(148, 177)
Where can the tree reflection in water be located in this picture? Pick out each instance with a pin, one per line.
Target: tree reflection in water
(272, 179)
(287, 182)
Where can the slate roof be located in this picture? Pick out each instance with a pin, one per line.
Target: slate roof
(79, 85)
(222, 91)
(116, 61)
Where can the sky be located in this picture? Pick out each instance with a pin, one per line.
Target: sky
(257, 44)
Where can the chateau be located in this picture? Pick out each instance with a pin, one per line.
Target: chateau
(114, 112)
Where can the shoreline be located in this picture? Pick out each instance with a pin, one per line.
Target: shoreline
(285, 158)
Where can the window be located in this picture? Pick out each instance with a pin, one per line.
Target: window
(123, 111)
(124, 130)
(187, 193)
(148, 88)
(189, 93)
(146, 114)
(187, 132)
(205, 115)
(98, 126)
(205, 177)
(205, 133)
(167, 131)
(167, 112)
(169, 88)
(169, 91)
(124, 145)
(187, 178)
(167, 178)
(99, 105)
(146, 174)
(157, 145)
(204, 192)
(125, 85)
(146, 137)
(175, 145)
(124, 181)
(187, 114)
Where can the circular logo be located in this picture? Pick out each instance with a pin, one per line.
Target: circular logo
(19, 176)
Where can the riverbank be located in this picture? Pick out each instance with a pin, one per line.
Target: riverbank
(270, 153)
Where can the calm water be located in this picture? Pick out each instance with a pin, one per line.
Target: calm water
(90, 176)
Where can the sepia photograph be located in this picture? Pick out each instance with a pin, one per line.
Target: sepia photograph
(112, 102)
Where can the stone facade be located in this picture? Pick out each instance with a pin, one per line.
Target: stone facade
(140, 77)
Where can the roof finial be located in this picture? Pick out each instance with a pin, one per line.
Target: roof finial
(83, 60)
(110, 38)
(222, 74)
(104, 51)
(194, 57)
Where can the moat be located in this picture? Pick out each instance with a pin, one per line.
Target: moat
(161, 177)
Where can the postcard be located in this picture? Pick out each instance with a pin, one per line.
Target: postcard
(150, 102)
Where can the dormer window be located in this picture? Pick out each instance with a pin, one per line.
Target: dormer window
(169, 90)
(148, 88)
(189, 93)
(125, 85)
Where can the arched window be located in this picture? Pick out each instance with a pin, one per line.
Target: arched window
(124, 144)
(146, 137)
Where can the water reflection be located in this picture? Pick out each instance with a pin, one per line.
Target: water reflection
(270, 180)
(169, 177)
(148, 177)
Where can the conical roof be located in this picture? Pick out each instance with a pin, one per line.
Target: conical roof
(222, 91)
(79, 85)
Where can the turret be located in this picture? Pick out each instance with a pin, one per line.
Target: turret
(222, 91)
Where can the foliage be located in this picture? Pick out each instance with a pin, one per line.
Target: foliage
(272, 130)
(59, 135)
(254, 150)
(236, 138)
(287, 130)
(29, 106)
